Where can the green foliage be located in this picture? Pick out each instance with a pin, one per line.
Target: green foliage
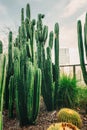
(82, 97)
(67, 93)
(70, 116)
(62, 126)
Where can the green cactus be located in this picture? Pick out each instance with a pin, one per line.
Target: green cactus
(62, 126)
(22, 16)
(28, 15)
(2, 86)
(11, 96)
(81, 48)
(50, 72)
(48, 93)
(27, 80)
(70, 116)
(9, 69)
(1, 121)
(56, 70)
(41, 37)
(1, 47)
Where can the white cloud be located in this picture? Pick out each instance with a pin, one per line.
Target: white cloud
(82, 17)
(73, 7)
(68, 36)
(3, 9)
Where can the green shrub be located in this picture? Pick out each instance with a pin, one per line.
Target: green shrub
(82, 97)
(67, 92)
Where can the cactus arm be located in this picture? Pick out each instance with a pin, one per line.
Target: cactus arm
(56, 29)
(22, 16)
(1, 47)
(37, 92)
(11, 96)
(51, 39)
(81, 50)
(85, 35)
(30, 89)
(28, 15)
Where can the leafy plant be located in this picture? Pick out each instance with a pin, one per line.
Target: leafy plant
(82, 97)
(67, 91)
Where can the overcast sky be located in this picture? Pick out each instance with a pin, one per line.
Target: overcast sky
(65, 12)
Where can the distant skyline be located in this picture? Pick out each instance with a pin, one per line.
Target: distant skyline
(65, 12)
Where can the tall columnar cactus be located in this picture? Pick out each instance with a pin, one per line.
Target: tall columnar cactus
(50, 71)
(27, 80)
(11, 96)
(81, 44)
(9, 69)
(41, 37)
(56, 66)
(1, 47)
(2, 86)
(48, 88)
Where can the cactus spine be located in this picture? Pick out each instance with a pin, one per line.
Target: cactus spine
(81, 45)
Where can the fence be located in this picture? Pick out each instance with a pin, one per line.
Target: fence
(73, 71)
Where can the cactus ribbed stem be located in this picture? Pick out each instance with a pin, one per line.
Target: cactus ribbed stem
(81, 50)
(56, 62)
(1, 47)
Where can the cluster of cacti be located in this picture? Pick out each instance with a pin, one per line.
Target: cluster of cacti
(70, 116)
(81, 45)
(50, 71)
(27, 80)
(2, 85)
(24, 77)
(62, 126)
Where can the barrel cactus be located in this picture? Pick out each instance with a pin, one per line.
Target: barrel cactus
(62, 126)
(69, 115)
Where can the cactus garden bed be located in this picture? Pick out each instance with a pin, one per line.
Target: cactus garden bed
(43, 121)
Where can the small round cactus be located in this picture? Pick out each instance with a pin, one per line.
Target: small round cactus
(70, 116)
(62, 126)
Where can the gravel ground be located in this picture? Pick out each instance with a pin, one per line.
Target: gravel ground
(43, 121)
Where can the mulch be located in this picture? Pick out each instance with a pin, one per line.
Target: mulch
(43, 121)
